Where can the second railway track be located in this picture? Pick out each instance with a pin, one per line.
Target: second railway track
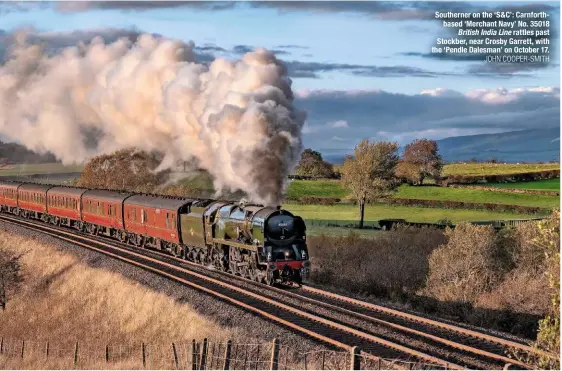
(337, 320)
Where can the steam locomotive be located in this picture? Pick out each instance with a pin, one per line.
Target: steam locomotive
(264, 244)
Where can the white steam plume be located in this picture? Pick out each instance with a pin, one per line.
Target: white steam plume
(235, 119)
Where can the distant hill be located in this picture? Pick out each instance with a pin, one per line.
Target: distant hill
(515, 146)
(17, 154)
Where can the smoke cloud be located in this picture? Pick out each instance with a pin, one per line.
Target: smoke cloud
(235, 119)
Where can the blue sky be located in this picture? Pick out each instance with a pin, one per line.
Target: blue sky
(343, 48)
(329, 37)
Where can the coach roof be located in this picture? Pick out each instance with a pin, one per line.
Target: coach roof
(104, 195)
(159, 202)
(34, 187)
(9, 184)
(67, 191)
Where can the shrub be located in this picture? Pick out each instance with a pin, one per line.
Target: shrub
(392, 265)
(126, 169)
(464, 267)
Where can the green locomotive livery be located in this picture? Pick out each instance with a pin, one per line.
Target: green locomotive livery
(264, 244)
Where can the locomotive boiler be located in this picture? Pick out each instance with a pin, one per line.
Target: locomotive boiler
(260, 243)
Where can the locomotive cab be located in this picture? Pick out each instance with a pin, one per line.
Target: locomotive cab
(285, 248)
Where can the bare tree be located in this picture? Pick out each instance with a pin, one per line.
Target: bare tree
(10, 276)
(369, 174)
(421, 159)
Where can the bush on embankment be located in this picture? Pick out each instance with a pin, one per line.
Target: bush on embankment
(471, 273)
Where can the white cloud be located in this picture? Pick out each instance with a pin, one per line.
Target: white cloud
(434, 113)
(338, 124)
(337, 138)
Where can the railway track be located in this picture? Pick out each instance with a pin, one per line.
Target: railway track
(337, 320)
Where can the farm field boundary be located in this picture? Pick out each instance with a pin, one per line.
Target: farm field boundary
(544, 192)
(444, 204)
(500, 178)
(386, 224)
(202, 354)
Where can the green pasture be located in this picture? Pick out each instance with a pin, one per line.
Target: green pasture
(374, 213)
(31, 169)
(546, 185)
(327, 188)
(313, 230)
(476, 196)
(495, 169)
(316, 188)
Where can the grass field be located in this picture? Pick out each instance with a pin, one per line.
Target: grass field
(327, 188)
(546, 185)
(316, 188)
(477, 196)
(30, 169)
(409, 213)
(495, 169)
(339, 231)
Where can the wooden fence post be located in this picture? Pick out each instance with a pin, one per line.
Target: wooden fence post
(355, 360)
(175, 356)
(226, 364)
(275, 355)
(75, 354)
(193, 356)
(107, 353)
(22, 347)
(213, 355)
(204, 355)
(143, 355)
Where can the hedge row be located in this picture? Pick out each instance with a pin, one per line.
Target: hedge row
(502, 178)
(311, 200)
(305, 177)
(308, 200)
(508, 190)
(447, 204)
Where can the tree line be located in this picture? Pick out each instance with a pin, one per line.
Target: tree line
(376, 170)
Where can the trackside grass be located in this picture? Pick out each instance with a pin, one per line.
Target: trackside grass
(65, 300)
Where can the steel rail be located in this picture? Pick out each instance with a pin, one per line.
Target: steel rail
(374, 339)
(428, 321)
(457, 345)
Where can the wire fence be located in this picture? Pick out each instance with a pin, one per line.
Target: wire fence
(190, 355)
